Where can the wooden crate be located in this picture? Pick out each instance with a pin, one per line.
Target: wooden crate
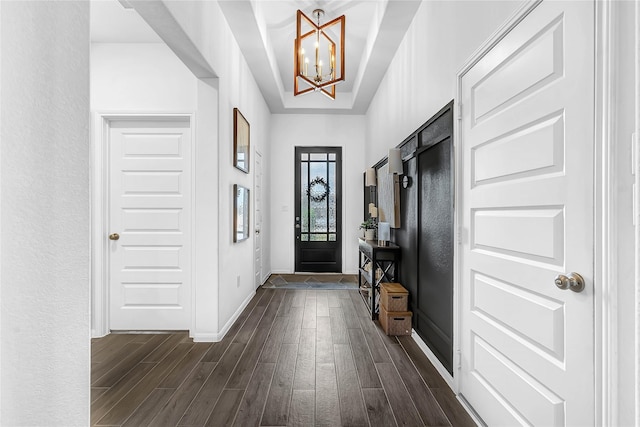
(393, 297)
(395, 322)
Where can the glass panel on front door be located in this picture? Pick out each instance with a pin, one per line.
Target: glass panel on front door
(318, 181)
(318, 204)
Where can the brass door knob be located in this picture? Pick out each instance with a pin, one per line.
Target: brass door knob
(114, 236)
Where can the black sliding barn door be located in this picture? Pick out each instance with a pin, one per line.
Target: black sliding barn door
(435, 250)
(318, 210)
(426, 238)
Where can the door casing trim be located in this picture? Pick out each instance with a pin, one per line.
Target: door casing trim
(605, 211)
(263, 276)
(100, 211)
(637, 213)
(605, 327)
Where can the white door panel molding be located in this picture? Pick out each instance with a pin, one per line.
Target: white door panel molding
(526, 214)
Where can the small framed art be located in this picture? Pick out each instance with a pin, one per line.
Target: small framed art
(240, 213)
(241, 141)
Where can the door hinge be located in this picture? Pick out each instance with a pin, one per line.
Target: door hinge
(459, 359)
(459, 236)
(459, 111)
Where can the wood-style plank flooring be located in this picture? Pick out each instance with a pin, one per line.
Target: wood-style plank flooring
(293, 357)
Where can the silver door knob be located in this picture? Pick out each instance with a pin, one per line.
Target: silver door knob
(114, 236)
(573, 281)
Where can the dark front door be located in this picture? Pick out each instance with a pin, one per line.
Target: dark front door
(318, 216)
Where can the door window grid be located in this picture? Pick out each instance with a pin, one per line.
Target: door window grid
(318, 220)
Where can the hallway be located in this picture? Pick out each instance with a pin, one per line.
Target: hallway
(293, 357)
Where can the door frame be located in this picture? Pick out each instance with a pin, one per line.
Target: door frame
(605, 238)
(636, 209)
(263, 276)
(100, 211)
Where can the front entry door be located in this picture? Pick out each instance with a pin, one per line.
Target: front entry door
(527, 344)
(318, 220)
(149, 224)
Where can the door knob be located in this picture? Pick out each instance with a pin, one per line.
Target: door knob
(573, 281)
(114, 236)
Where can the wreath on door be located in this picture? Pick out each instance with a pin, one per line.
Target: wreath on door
(318, 189)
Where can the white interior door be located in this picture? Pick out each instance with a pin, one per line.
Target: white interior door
(257, 192)
(149, 210)
(527, 134)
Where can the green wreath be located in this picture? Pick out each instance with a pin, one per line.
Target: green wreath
(318, 189)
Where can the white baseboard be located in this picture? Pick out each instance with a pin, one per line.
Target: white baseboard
(433, 359)
(213, 337)
(95, 334)
(476, 419)
(206, 337)
(266, 277)
(445, 375)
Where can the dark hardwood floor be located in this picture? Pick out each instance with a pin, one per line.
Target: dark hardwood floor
(293, 357)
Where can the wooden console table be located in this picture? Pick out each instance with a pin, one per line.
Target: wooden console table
(372, 259)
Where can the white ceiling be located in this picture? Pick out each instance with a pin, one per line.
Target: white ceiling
(265, 31)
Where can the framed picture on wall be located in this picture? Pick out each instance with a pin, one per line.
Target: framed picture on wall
(241, 143)
(240, 213)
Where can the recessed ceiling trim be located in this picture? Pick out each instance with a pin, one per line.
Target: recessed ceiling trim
(393, 26)
(255, 25)
(257, 50)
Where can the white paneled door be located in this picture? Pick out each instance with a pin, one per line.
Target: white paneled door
(527, 135)
(149, 224)
(257, 195)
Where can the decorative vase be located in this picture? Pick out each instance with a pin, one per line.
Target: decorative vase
(370, 234)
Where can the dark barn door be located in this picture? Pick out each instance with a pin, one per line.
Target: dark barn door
(434, 311)
(426, 238)
(318, 216)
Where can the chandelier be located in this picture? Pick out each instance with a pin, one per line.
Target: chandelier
(324, 46)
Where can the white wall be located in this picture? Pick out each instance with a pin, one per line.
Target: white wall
(288, 131)
(140, 77)
(205, 35)
(205, 299)
(421, 77)
(45, 201)
(149, 78)
(238, 89)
